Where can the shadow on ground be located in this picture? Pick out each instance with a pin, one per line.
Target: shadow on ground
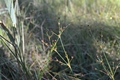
(89, 44)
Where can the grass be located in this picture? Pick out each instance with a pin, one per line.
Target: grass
(61, 40)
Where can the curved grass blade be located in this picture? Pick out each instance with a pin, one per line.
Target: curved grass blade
(7, 32)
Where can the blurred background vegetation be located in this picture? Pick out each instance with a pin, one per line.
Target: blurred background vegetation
(60, 40)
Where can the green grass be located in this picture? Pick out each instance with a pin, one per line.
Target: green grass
(61, 40)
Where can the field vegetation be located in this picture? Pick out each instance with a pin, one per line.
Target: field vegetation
(59, 40)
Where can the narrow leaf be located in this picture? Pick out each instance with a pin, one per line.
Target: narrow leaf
(11, 10)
